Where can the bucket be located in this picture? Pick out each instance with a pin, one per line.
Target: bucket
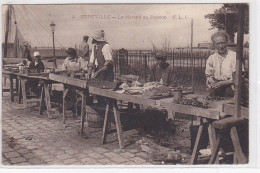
(94, 117)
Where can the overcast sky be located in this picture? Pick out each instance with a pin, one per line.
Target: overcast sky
(74, 21)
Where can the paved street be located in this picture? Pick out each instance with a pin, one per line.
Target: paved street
(32, 139)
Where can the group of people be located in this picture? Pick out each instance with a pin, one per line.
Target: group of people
(98, 65)
(220, 66)
(220, 69)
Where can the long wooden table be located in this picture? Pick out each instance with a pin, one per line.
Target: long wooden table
(72, 83)
(205, 116)
(45, 90)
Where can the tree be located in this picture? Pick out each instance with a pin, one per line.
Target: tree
(226, 18)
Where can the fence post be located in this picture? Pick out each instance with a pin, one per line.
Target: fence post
(126, 66)
(145, 67)
(173, 60)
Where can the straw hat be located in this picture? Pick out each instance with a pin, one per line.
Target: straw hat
(99, 35)
(71, 51)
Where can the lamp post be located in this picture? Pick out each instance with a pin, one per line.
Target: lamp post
(52, 25)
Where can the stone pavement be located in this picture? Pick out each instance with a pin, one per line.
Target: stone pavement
(32, 139)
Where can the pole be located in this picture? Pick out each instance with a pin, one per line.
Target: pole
(7, 30)
(239, 57)
(192, 60)
(54, 58)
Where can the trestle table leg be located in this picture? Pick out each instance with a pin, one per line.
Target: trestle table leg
(105, 126)
(11, 88)
(42, 101)
(47, 99)
(65, 91)
(197, 144)
(212, 140)
(241, 158)
(83, 111)
(118, 125)
(23, 81)
(216, 148)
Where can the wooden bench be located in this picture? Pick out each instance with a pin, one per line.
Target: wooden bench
(230, 124)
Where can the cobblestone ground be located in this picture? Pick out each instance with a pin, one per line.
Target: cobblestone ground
(32, 139)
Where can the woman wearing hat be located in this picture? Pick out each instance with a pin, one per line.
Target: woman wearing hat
(101, 58)
(73, 62)
(161, 71)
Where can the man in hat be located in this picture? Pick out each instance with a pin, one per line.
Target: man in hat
(73, 62)
(101, 59)
(161, 71)
(220, 66)
(84, 49)
(36, 66)
(27, 55)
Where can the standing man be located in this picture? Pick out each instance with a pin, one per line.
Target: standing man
(220, 66)
(101, 59)
(84, 49)
(161, 71)
(27, 55)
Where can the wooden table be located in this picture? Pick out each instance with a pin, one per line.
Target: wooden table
(72, 83)
(230, 123)
(112, 97)
(45, 90)
(205, 116)
(12, 76)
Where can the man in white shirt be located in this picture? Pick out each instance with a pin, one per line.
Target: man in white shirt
(73, 62)
(101, 59)
(220, 67)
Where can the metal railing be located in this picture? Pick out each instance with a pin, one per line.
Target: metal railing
(138, 63)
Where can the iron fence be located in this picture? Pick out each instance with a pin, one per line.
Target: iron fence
(138, 63)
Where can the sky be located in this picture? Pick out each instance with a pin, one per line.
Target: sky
(130, 26)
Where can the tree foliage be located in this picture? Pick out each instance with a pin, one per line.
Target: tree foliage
(226, 18)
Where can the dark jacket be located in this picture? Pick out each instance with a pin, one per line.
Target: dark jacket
(36, 68)
(156, 73)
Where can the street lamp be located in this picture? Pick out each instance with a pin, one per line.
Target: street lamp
(52, 25)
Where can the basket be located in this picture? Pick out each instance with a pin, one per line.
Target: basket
(94, 117)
